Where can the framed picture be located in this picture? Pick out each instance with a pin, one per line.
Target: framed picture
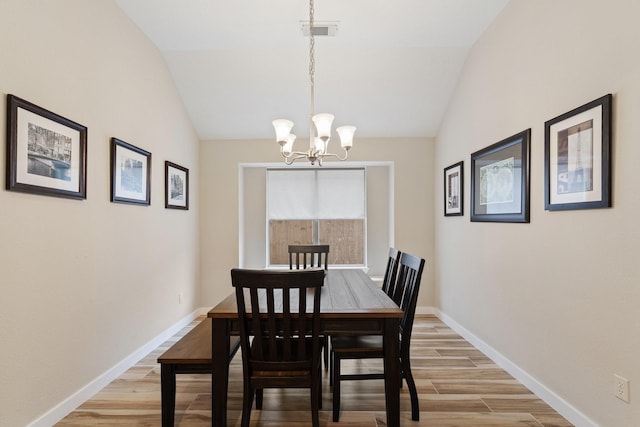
(46, 153)
(130, 173)
(500, 180)
(577, 158)
(176, 186)
(453, 190)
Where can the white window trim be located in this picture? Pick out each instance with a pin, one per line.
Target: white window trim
(266, 165)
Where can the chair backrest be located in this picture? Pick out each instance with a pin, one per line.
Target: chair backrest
(276, 308)
(308, 256)
(389, 281)
(406, 294)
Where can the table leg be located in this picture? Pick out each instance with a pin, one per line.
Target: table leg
(168, 393)
(392, 371)
(220, 374)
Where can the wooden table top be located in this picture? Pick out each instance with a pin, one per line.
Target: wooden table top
(347, 293)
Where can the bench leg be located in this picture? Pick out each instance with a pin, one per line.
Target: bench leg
(168, 392)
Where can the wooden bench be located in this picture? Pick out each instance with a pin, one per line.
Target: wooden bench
(190, 355)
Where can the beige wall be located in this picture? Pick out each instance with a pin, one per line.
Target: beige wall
(219, 174)
(86, 283)
(558, 297)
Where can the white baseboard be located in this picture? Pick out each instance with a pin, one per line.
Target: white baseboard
(62, 409)
(427, 310)
(563, 407)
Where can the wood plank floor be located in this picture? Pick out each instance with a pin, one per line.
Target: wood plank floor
(457, 386)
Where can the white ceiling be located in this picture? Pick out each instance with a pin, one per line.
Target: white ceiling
(238, 64)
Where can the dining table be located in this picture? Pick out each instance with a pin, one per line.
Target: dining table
(351, 305)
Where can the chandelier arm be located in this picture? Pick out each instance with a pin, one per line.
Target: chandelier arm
(295, 153)
(289, 160)
(294, 156)
(346, 154)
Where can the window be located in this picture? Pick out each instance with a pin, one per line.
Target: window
(253, 222)
(317, 206)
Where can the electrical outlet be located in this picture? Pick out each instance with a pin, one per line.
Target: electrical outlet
(621, 387)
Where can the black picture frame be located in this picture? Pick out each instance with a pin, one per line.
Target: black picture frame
(130, 173)
(176, 186)
(500, 183)
(577, 157)
(454, 189)
(46, 153)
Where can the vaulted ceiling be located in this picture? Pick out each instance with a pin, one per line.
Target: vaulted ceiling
(390, 70)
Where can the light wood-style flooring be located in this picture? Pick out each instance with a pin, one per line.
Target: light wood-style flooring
(457, 386)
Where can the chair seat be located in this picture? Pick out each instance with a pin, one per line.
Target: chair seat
(360, 344)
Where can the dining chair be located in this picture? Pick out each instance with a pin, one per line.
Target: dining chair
(389, 280)
(305, 256)
(311, 256)
(370, 347)
(388, 283)
(281, 311)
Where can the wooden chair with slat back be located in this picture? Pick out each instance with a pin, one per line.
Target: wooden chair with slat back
(389, 280)
(388, 283)
(311, 256)
(281, 311)
(305, 256)
(370, 347)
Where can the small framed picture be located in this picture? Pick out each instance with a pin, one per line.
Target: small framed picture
(500, 180)
(176, 186)
(130, 173)
(453, 190)
(577, 158)
(46, 153)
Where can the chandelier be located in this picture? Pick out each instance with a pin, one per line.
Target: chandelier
(319, 124)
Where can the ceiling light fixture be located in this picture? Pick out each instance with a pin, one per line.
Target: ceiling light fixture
(318, 139)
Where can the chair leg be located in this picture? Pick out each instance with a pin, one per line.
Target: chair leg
(247, 403)
(259, 393)
(331, 370)
(326, 342)
(319, 389)
(316, 400)
(413, 392)
(336, 387)
(331, 363)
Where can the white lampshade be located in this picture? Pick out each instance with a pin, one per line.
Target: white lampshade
(287, 148)
(283, 129)
(323, 123)
(346, 136)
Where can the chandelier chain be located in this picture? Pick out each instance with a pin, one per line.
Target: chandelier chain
(312, 60)
(318, 123)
